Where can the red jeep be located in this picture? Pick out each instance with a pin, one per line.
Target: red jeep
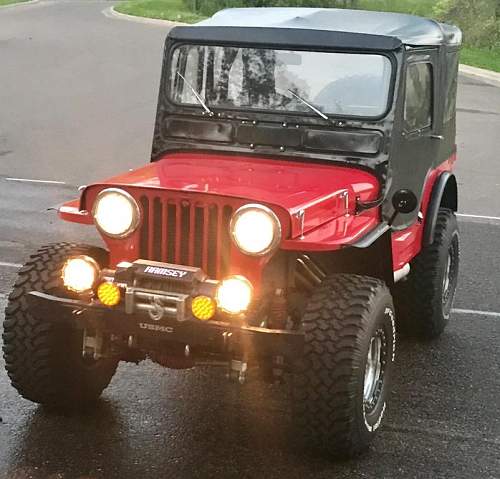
(298, 210)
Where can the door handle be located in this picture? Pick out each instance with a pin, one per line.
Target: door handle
(436, 137)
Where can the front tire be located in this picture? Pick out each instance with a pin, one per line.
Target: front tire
(44, 361)
(342, 381)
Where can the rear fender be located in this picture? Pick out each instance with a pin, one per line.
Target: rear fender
(444, 194)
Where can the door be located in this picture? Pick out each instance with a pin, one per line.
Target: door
(419, 143)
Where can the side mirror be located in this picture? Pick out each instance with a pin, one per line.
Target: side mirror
(404, 201)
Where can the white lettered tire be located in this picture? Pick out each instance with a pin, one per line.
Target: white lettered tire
(342, 381)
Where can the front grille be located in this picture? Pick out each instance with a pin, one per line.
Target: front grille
(187, 232)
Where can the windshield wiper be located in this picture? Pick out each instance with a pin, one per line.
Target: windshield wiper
(196, 94)
(306, 103)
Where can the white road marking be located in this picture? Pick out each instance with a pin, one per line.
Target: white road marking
(27, 180)
(492, 218)
(491, 314)
(10, 265)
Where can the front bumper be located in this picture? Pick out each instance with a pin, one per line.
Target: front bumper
(214, 336)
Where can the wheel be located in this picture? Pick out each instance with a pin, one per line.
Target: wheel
(424, 300)
(342, 380)
(44, 362)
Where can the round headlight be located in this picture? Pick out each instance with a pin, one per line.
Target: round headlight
(116, 213)
(80, 273)
(255, 229)
(234, 294)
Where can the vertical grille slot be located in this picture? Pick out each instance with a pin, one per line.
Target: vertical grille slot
(225, 240)
(171, 214)
(212, 258)
(143, 237)
(198, 236)
(183, 231)
(185, 238)
(157, 229)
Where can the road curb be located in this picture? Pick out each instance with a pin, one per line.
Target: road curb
(486, 75)
(110, 12)
(19, 4)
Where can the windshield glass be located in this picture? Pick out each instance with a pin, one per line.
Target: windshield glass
(345, 84)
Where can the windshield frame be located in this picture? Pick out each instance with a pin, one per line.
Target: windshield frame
(166, 82)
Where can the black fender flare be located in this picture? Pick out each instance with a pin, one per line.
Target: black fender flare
(438, 191)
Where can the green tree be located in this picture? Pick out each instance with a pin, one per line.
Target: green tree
(478, 19)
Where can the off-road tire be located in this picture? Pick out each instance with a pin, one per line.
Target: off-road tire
(422, 308)
(44, 361)
(341, 318)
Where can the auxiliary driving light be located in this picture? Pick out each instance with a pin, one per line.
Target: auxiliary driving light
(234, 294)
(203, 307)
(108, 293)
(80, 273)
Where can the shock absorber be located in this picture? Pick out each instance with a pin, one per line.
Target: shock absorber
(278, 310)
(308, 274)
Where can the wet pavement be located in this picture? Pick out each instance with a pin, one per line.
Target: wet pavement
(77, 96)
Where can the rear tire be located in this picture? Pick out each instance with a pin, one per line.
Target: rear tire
(425, 299)
(339, 398)
(44, 361)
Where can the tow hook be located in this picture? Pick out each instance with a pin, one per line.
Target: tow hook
(93, 345)
(238, 370)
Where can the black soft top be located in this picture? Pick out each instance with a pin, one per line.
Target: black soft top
(318, 26)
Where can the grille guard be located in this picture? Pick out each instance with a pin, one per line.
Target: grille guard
(161, 314)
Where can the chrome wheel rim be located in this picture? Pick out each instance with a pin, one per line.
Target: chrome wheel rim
(446, 278)
(373, 370)
(450, 277)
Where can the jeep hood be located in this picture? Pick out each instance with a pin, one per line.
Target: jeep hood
(311, 193)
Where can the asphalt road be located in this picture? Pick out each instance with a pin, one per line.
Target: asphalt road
(77, 102)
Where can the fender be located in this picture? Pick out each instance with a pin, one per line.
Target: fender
(444, 193)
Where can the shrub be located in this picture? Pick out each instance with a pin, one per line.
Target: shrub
(209, 7)
(478, 19)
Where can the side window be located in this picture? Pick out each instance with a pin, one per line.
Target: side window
(451, 86)
(418, 97)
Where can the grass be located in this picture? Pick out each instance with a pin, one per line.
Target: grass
(164, 9)
(488, 58)
(8, 2)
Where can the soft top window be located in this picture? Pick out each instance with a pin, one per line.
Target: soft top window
(344, 84)
(418, 98)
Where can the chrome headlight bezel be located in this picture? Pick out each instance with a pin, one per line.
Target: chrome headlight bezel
(272, 216)
(136, 212)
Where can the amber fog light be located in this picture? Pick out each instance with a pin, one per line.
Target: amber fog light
(109, 294)
(203, 307)
(80, 273)
(234, 294)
